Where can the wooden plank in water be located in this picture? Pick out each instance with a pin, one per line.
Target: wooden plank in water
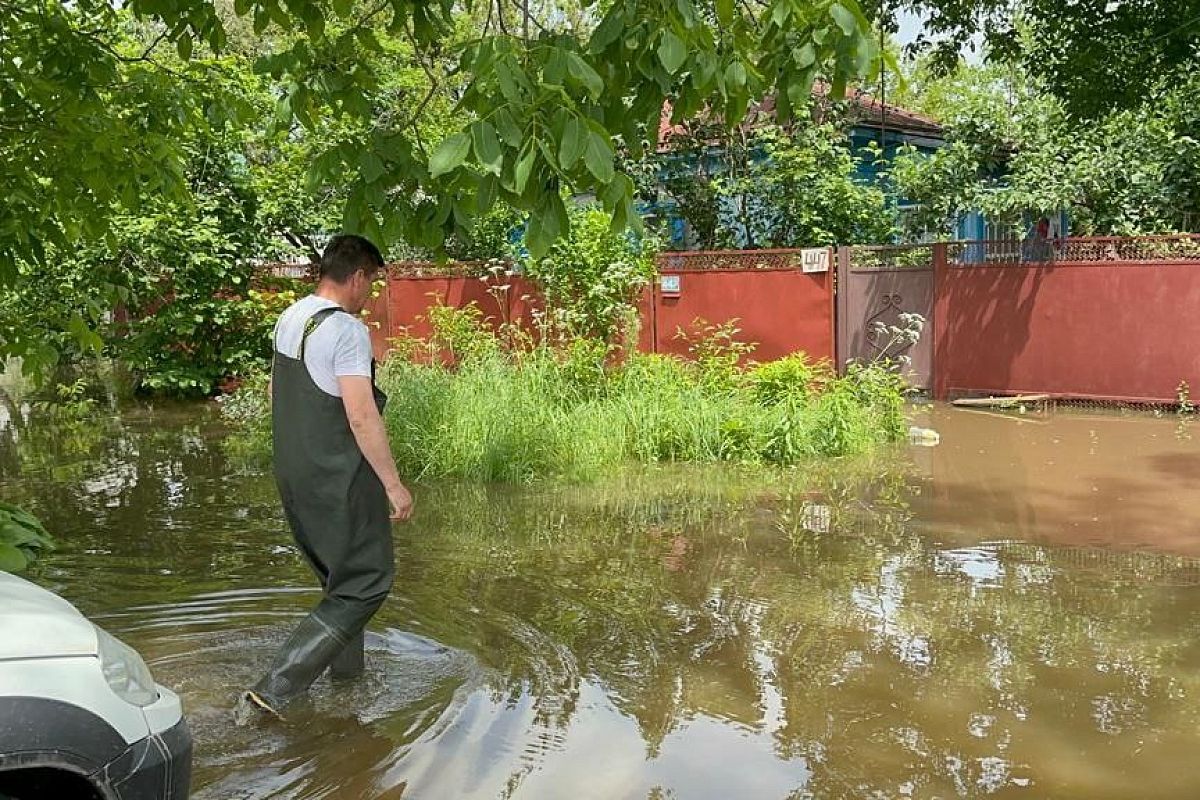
(1000, 402)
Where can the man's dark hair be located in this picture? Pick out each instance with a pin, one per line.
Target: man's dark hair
(346, 254)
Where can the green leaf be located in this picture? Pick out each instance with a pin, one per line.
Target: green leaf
(343, 8)
(17, 535)
(506, 126)
(537, 239)
(735, 75)
(610, 28)
(616, 191)
(671, 52)
(548, 152)
(184, 46)
(546, 225)
(371, 166)
(22, 517)
(12, 559)
(450, 154)
(598, 155)
(241, 7)
(687, 12)
(844, 17)
(582, 71)
(556, 67)
(805, 56)
(574, 141)
(725, 12)
(487, 146)
(353, 211)
(510, 88)
(485, 195)
(524, 168)
(314, 23)
(321, 169)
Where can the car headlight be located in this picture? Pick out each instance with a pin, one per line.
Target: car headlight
(125, 670)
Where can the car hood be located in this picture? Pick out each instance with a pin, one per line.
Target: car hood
(35, 623)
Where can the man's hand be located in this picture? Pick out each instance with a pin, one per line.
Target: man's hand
(367, 427)
(401, 501)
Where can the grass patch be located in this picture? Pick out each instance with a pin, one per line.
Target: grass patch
(505, 412)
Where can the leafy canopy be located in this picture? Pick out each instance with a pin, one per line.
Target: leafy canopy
(92, 108)
(1094, 55)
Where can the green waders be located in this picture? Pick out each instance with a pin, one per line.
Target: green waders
(339, 514)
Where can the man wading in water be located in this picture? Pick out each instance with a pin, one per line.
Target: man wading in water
(334, 469)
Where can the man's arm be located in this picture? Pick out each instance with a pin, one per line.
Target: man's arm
(367, 426)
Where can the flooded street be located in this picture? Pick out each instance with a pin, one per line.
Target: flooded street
(1012, 614)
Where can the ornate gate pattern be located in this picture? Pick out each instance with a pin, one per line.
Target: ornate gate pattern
(879, 291)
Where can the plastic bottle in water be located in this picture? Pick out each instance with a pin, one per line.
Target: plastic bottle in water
(923, 437)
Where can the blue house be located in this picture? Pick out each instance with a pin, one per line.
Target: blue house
(874, 127)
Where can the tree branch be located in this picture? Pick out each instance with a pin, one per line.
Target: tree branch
(500, 18)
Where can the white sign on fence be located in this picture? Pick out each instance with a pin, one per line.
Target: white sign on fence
(814, 259)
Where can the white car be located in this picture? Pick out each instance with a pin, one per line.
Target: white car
(80, 716)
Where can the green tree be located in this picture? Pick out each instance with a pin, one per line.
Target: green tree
(799, 190)
(591, 279)
(1096, 55)
(771, 186)
(540, 108)
(180, 264)
(1014, 151)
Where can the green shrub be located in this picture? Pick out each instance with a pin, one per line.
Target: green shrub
(591, 279)
(22, 538)
(716, 352)
(791, 377)
(462, 333)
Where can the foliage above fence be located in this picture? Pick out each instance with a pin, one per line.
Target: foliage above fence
(889, 257)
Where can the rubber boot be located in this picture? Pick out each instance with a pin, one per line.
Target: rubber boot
(308, 651)
(351, 662)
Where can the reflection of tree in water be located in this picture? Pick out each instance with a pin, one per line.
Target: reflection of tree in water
(138, 486)
(1029, 660)
(656, 594)
(901, 666)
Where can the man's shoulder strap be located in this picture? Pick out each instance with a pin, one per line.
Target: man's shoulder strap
(313, 323)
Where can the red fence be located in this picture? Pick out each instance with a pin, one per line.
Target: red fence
(1113, 319)
(777, 306)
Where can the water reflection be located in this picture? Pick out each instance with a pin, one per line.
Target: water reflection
(925, 625)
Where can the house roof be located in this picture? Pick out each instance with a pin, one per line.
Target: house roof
(864, 109)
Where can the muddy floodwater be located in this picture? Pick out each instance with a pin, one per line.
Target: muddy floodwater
(1014, 613)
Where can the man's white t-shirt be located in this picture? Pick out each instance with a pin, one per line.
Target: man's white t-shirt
(339, 347)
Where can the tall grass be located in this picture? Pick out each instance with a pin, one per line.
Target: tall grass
(475, 405)
(505, 414)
